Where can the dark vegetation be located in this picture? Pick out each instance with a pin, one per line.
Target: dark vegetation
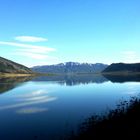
(121, 123)
(123, 68)
(8, 66)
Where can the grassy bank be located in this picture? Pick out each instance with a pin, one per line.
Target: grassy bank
(121, 123)
(14, 75)
(23, 75)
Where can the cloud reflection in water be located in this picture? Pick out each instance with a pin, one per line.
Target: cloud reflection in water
(30, 99)
(31, 110)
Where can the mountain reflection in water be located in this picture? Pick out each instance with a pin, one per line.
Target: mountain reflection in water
(68, 80)
(8, 83)
(122, 78)
(71, 80)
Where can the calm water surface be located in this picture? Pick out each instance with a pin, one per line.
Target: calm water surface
(48, 108)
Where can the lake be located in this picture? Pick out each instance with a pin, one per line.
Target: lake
(50, 108)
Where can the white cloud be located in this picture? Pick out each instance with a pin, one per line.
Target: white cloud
(30, 39)
(130, 56)
(30, 51)
(39, 62)
(45, 59)
(28, 46)
(132, 53)
(33, 55)
(41, 51)
(49, 61)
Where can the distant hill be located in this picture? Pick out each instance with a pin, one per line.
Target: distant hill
(8, 66)
(122, 67)
(70, 67)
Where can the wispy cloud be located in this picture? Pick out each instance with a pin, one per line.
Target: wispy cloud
(27, 52)
(33, 55)
(129, 56)
(40, 51)
(48, 61)
(31, 51)
(28, 46)
(30, 39)
(129, 53)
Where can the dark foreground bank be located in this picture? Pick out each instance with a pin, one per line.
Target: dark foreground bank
(121, 123)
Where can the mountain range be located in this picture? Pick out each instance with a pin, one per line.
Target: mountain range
(8, 66)
(70, 68)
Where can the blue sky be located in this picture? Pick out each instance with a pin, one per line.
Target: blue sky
(41, 32)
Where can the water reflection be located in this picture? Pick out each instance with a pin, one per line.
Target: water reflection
(28, 102)
(9, 83)
(71, 80)
(131, 89)
(68, 80)
(31, 110)
(123, 78)
(51, 106)
(26, 99)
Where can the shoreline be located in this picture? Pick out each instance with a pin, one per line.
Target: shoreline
(23, 74)
(15, 75)
(50, 74)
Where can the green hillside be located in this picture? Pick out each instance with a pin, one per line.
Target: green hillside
(8, 66)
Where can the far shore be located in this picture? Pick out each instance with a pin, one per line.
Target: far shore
(43, 74)
(50, 74)
(22, 74)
